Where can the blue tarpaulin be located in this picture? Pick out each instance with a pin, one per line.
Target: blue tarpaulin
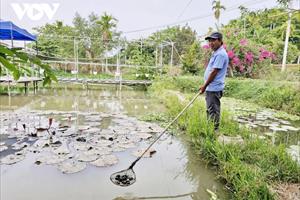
(9, 31)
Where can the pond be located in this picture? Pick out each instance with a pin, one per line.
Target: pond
(65, 144)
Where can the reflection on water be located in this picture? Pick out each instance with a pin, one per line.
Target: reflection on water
(174, 172)
(69, 99)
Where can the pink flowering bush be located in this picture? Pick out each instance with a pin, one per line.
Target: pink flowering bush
(247, 58)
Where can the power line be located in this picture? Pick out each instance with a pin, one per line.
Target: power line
(192, 18)
(187, 5)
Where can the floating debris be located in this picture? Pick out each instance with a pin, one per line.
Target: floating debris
(148, 154)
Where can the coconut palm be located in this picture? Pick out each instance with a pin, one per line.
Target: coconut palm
(107, 23)
(217, 7)
(285, 4)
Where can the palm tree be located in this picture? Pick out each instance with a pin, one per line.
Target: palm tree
(217, 7)
(286, 4)
(107, 23)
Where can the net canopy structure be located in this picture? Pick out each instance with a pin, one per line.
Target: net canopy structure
(10, 31)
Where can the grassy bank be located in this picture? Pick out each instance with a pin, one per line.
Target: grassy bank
(249, 169)
(272, 94)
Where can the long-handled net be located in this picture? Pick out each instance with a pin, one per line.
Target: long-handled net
(127, 176)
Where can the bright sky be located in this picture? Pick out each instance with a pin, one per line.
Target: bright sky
(136, 18)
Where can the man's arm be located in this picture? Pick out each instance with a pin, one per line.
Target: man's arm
(211, 77)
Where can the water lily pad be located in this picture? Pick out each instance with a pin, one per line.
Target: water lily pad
(106, 160)
(274, 128)
(82, 146)
(290, 128)
(148, 154)
(87, 156)
(41, 143)
(22, 145)
(82, 128)
(70, 167)
(102, 143)
(62, 150)
(93, 118)
(3, 148)
(12, 159)
(51, 159)
(125, 145)
(107, 132)
(144, 135)
(91, 130)
(118, 149)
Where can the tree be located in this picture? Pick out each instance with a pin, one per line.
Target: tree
(107, 23)
(217, 7)
(191, 59)
(50, 40)
(182, 37)
(285, 3)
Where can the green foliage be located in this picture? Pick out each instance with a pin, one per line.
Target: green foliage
(50, 44)
(94, 35)
(273, 94)
(10, 59)
(266, 28)
(181, 36)
(191, 59)
(277, 95)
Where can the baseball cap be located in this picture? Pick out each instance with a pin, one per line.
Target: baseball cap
(215, 35)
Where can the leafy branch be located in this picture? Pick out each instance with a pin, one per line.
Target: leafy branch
(11, 58)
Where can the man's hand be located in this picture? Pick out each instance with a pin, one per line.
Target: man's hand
(211, 77)
(202, 89)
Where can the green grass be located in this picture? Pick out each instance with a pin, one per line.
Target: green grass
(248, 169)
(280, 95)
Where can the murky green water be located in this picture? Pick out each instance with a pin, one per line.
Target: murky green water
(175, 170)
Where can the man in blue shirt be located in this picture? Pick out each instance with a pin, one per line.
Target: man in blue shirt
(215, 77)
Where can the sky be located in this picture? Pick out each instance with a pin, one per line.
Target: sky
(136, 18)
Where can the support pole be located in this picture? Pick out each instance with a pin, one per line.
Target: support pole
(172, 53)
(287, 35)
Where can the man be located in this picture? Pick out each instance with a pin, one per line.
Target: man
(215, 77)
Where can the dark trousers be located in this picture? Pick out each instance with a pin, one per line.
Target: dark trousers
(213, 106)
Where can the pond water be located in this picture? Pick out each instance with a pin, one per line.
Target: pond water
(87, 126)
